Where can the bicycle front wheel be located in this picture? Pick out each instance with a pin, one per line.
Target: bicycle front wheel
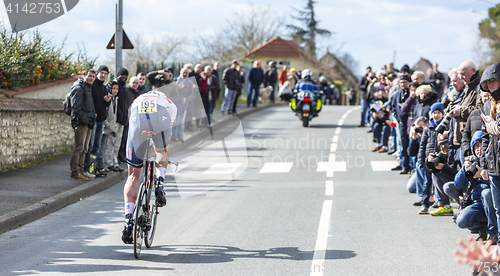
(139, 220)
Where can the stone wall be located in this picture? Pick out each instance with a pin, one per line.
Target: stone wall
(30, 135)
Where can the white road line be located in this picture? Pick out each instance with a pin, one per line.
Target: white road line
(222, 168)
(276, 167)
(341, 122)
(329, 188)
(333, 147)
(381, 166)
(335, 139)
(317, 267)
(337, 131)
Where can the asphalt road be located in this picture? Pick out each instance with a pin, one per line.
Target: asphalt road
(271, 198)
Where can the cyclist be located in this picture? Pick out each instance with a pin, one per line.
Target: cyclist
(153, 113)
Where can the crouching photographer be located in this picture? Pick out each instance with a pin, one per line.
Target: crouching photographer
(478, 214)
(442, 172)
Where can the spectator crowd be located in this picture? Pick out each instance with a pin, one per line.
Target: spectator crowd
(99, 107)
(445, 131)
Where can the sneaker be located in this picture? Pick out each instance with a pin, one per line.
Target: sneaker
(89, 175)
(377, 148)
(128, 229)
(417, 203)
(383, 149)
(482, 236)
(112, 168)
(119, 169)
(443, 211)
(398, 168)
(160, 195)
(434, 204)
(424, 210)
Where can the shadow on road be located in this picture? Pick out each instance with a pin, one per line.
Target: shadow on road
(222, 254)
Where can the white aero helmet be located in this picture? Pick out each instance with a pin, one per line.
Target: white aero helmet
(306, 73)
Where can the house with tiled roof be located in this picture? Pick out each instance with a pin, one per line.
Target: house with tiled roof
(285, 52)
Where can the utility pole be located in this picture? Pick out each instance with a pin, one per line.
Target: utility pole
(119, 34)
(394, 58)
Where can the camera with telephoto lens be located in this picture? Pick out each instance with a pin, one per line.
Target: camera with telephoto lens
(438, 158)
(444, 123)
(419, 129)
(472, 170)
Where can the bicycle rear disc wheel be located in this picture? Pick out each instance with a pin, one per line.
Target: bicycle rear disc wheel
(139, 217)
(153, 215)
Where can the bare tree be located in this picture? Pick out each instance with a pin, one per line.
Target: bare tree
(153, 51)
(243, 32)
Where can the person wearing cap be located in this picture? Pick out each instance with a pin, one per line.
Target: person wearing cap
(428, 146)
(442, 173)
(490, 150)
(159, 121)
(231, 79)
(101, 100)
(401, 116)
(405, 70)
(480, 214)
(122, 112)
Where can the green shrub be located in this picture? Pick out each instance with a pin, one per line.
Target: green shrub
(28, 58)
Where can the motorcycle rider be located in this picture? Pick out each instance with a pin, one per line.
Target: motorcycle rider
(308, 84)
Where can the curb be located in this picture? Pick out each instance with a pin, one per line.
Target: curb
(49, 205)
(42, 208)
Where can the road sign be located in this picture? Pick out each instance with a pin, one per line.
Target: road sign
(126, 42)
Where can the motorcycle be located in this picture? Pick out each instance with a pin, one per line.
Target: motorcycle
(306, 106)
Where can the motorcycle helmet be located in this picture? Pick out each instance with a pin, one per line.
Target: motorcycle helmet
(306, 73)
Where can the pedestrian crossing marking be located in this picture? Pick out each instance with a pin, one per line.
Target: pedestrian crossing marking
(276, 167)
(222, 168)
(335, 166)
(381, 166)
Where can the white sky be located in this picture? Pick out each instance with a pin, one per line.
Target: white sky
(442, 31)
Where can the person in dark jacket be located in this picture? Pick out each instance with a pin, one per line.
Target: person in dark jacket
(442, 173)
(428, 145)
(474, 123)
(142, 84)
(436, 78)
(231, 79)
(101, 102)
(241, 70)
(415, 184)
(402, 116)
(255, 79)
(490, 150)
(271, 78)
(480, 215)
(364, 101)
(213, 102)
(381, 130)
(82, 121)
(122, 112)
(159, 78)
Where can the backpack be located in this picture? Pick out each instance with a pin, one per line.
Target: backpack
(67, 104)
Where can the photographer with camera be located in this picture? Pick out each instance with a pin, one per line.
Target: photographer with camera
(429, 145)
(442, 172)
(159, 78)
(478, 213)
(415, 184)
